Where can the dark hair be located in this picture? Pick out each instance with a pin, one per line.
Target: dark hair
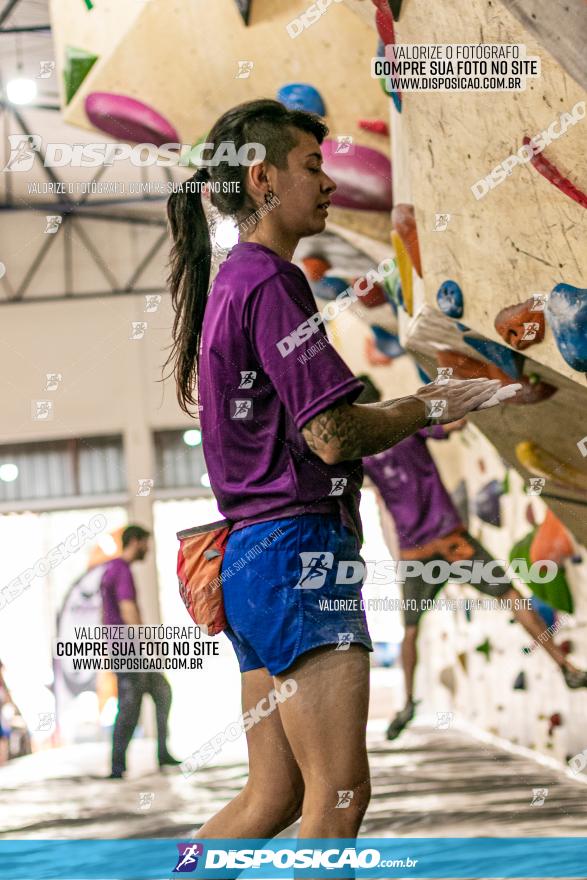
(370, 393)
(133, 533)
(265, 122)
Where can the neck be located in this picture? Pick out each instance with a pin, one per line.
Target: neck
(127, 555)
(276, 240)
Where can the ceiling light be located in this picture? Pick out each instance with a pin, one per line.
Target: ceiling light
(193, 437)
(21, 90)
(8, 472)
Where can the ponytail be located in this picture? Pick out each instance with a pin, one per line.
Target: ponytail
(191, 257)
(263, 122)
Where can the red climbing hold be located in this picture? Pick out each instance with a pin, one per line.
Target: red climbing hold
(376, 126)
(521, 325)
(553, 175)
(374, 357)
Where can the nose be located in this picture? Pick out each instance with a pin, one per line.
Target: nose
(328, 185)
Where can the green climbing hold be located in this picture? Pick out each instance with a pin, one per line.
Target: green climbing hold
(556, 592)
(78, 64)
(485, 648)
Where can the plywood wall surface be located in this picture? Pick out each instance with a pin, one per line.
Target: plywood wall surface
(524, 236)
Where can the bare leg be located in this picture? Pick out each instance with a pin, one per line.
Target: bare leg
(325, 723)
(271, 800)
(410, 659)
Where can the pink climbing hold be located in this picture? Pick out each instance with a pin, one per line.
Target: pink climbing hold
(127, 119)
(362, 176)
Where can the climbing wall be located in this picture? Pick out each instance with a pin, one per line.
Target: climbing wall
(495, 286)
(183, 62)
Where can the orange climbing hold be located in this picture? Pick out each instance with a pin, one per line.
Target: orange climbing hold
(521, 325)
(552, 541)
(403, 221)
(315, 267)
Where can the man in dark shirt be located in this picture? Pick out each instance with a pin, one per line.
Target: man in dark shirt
(119, 607)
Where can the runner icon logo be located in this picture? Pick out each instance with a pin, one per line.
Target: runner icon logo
(314, 567)
(189, 854)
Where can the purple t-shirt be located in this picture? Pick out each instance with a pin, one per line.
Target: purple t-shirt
(410, 485)
(117, 584)
(258, 387)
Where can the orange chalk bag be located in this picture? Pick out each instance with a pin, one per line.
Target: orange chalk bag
(199, 571)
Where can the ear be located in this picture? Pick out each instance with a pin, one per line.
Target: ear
(258, 181)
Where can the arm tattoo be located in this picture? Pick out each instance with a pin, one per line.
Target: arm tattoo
(334, 431)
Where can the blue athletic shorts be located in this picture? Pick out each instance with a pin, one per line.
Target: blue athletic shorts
(281, 595)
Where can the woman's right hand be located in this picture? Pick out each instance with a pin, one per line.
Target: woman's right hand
(457, 397)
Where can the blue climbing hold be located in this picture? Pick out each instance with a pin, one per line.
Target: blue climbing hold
(511, 362)
(566, 313)
(424, 377)
(520, 681)
(301, 96)
(450, 299)
(387, 343)
(328, 287)
(462, 327)
(546, 611)
(486, 503)
(395, 97)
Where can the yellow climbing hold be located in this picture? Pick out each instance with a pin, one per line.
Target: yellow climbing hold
(404, 265)
(543, 464)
